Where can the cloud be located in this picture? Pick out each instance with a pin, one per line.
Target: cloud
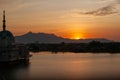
(118, 1)
(7, 2)
(107, 10)
(17, 4)
(103, 11)
(4, 1)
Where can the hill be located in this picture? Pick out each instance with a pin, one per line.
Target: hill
(52, 38)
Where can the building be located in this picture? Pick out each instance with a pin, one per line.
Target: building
(9, 50)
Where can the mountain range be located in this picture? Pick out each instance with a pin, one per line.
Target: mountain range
(31, 37)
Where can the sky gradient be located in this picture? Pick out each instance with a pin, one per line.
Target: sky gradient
(66, 18)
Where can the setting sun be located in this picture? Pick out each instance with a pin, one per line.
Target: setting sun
(77, 36)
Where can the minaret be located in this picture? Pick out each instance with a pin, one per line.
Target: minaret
(4, 21)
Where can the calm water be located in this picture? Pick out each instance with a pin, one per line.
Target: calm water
(67, 66)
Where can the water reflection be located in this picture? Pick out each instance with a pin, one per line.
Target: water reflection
(14, 72)
(70, 66)
(67, 66)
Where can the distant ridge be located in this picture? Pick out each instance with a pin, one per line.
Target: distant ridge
(31, 37)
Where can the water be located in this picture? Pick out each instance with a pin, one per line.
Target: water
(66, 66)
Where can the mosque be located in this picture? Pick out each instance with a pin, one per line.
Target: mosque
(6, 37)
(9, 50)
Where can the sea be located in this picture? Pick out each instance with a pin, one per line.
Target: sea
(65, 66)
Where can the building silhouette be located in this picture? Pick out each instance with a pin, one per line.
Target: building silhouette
(11, 52)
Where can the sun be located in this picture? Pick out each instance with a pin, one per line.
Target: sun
(77, 36)
(74, 35)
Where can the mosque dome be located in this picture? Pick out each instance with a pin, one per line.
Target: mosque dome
(6, 33)
(6, 37)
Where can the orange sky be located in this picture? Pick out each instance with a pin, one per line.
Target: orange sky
(66, 18)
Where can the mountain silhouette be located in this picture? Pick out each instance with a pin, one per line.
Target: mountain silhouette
(52, 38)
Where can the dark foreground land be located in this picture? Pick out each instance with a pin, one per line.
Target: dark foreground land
(94, 47)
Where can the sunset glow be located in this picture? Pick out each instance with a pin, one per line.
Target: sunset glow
(73, 19)
(77, 36)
